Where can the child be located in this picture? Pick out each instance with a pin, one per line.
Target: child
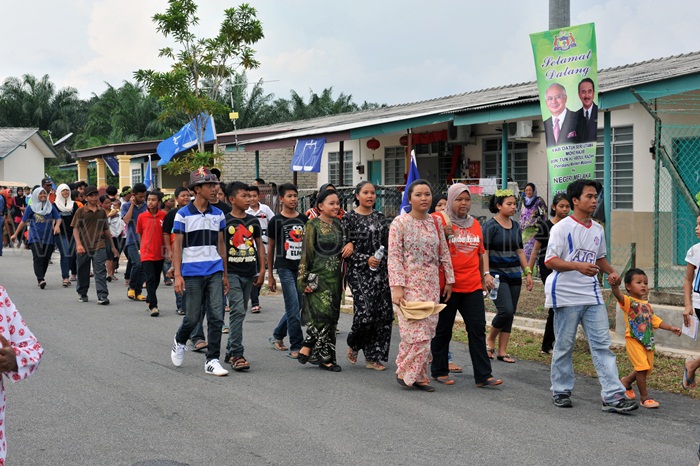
(244, 265)
(263, 213)
(639, 334)
(149, 227)
(691, 288)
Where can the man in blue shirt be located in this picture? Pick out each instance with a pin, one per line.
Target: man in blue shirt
(130, 212)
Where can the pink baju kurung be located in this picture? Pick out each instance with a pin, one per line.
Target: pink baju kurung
(27, 349)
(416, 249)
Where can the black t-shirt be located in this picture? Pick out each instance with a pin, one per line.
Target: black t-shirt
(288, 234)
(542, 235)
(241, 254)
(169, 220)
(222, 206)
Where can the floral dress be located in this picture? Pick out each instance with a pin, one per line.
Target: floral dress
(529, 217)
(371, 296)
(320, 309)
(416, 250)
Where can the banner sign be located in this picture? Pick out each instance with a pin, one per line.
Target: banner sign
(112, 164)
(186, 138)
(307, 155)
(567, 80)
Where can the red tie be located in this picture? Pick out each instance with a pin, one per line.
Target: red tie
(556, 130)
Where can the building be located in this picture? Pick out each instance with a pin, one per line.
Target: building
(23, 152)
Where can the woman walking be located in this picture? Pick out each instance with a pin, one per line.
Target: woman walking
(417, 248)
(504, 257)
(560, 210)
(366, 232)
(64, 240)
(534, 208)
(320, 279)
(466, 245)
(44, 221)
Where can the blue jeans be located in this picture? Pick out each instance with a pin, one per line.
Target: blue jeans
(65, 247)
(291, 320)
(197, 291)
(137, 277)
(594, 320)
(238, 296)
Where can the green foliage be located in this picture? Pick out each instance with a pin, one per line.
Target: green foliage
(187, 162)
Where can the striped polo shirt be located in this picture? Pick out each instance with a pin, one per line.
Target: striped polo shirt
(200, 257)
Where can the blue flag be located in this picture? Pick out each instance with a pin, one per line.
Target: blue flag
(186, 138)
(148, 176)
(307, 155)
(412, 176)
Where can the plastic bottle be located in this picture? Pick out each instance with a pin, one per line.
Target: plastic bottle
(494, 293)
(379, 255)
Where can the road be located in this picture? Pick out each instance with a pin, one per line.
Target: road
(106, 393)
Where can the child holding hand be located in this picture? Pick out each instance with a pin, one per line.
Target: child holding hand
(640, 322)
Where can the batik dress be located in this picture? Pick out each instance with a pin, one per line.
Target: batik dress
(371, 295)
(529, 216)
(320, 255)
(416, 250)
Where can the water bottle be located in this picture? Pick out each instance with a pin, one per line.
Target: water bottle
(379, 255)
(494, 293)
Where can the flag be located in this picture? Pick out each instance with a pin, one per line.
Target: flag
(412, 176)
(186, 138)
(148, 177)
(112, 163)
(307, 155)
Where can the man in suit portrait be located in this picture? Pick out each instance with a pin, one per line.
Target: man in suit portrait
(587, 130)
(560, 128)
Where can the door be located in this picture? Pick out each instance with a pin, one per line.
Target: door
(688, 163)
(374, 175)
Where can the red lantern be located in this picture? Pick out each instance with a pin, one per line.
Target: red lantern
(404, 140)
(373, 144)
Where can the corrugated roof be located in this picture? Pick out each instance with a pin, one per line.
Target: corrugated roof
(11, 138)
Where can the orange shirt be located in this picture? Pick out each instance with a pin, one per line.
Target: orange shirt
(150, 227)
(465, 246)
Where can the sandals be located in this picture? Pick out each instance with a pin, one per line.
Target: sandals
(239, 363)
(303, 358)
(650, 403)
(200, 346)
(66, 282)
(687, 383)
(506, 358)
(444, 379)
(454, 368)
(42, 284)
(491, 352)
(255, 310)
(352, 356)
(277, 344)
(375, 365)
(491, 382)
(424, 388)
(333, 367)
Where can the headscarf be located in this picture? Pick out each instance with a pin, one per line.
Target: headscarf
(453, 193)
(63, 204)
(530, 201)
(436, 200)
(38, 207)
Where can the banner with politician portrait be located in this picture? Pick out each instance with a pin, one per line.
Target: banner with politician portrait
(567, 81)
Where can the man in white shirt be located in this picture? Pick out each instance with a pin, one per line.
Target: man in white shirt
(576, 252)
(263, 213)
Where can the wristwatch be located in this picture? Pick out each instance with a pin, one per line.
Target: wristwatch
(487, 273)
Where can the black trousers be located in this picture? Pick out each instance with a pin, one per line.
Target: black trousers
(548, 338)
(41, 254)
(471, 306)
(152, 271)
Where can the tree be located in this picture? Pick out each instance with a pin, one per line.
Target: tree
(193, 84)
(295, 108)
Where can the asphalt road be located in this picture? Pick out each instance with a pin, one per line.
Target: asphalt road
(106, 393)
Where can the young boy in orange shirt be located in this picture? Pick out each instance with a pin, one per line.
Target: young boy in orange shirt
(640, 322)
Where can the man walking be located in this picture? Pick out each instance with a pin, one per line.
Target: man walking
(130, 213)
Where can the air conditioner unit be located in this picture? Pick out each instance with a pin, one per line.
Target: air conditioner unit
(520, 130)
(458, 134)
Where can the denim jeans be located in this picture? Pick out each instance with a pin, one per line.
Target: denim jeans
(291, 320)
(198, 290)
(594, 320)
(238, 296)
(65, 246)
(136, 278)
(97, 259)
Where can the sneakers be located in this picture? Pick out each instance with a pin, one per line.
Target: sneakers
(213, 367)
(83, 299)
(102, 301)
(180, 311)
(177, 355)
(562, 401)
(620, 407)
(154, 312)
(131, 294)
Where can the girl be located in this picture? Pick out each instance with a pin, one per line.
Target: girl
(44, 221)
(66, 209)
(365, 231)
(560, 209)
(320, 261)
(534, 208)
(504, 257)
(417, 248)
(313, 211)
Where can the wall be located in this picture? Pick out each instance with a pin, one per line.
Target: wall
(24, 165)
(273, 168)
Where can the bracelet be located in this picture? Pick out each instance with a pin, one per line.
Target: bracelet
(527, 271)
(487, 273)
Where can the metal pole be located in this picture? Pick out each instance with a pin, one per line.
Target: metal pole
(504, 155)
(559, 16)
(341, 163)
(607, 172)
(257, 163)
(657, 174)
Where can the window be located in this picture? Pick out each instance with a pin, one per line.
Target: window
(334, 168)
(517, 161)
(443, 152)
(136, 176)
(622, 152)
(394, 165)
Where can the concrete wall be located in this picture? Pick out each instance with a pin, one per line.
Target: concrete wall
(274, 168)
(23, 165)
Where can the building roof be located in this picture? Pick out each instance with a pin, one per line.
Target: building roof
(13, 138)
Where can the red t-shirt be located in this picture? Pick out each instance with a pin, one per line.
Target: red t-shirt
(465, 247)
(150, 227)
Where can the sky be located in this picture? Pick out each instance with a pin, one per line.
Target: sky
(383, 51)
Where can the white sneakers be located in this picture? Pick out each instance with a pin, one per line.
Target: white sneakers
(213, 367)
(177, 355)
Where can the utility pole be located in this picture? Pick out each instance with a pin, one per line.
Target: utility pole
(559, 16)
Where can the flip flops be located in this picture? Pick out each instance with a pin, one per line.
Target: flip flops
(491, 382)
(687, 383)
(444, 379)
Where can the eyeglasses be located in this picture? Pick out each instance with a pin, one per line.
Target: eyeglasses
(550, 98)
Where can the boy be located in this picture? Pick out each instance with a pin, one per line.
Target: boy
(263, 213)
(691, 291)
(244, 266)
(89, 224)
(640, 321)
(130, 212)
(149, 227)
(198, 267)
(182, 198)
(286, 232)
(576, 252)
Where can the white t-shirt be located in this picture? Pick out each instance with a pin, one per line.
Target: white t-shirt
(574, 242)
(263, 214)
(693, 258)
